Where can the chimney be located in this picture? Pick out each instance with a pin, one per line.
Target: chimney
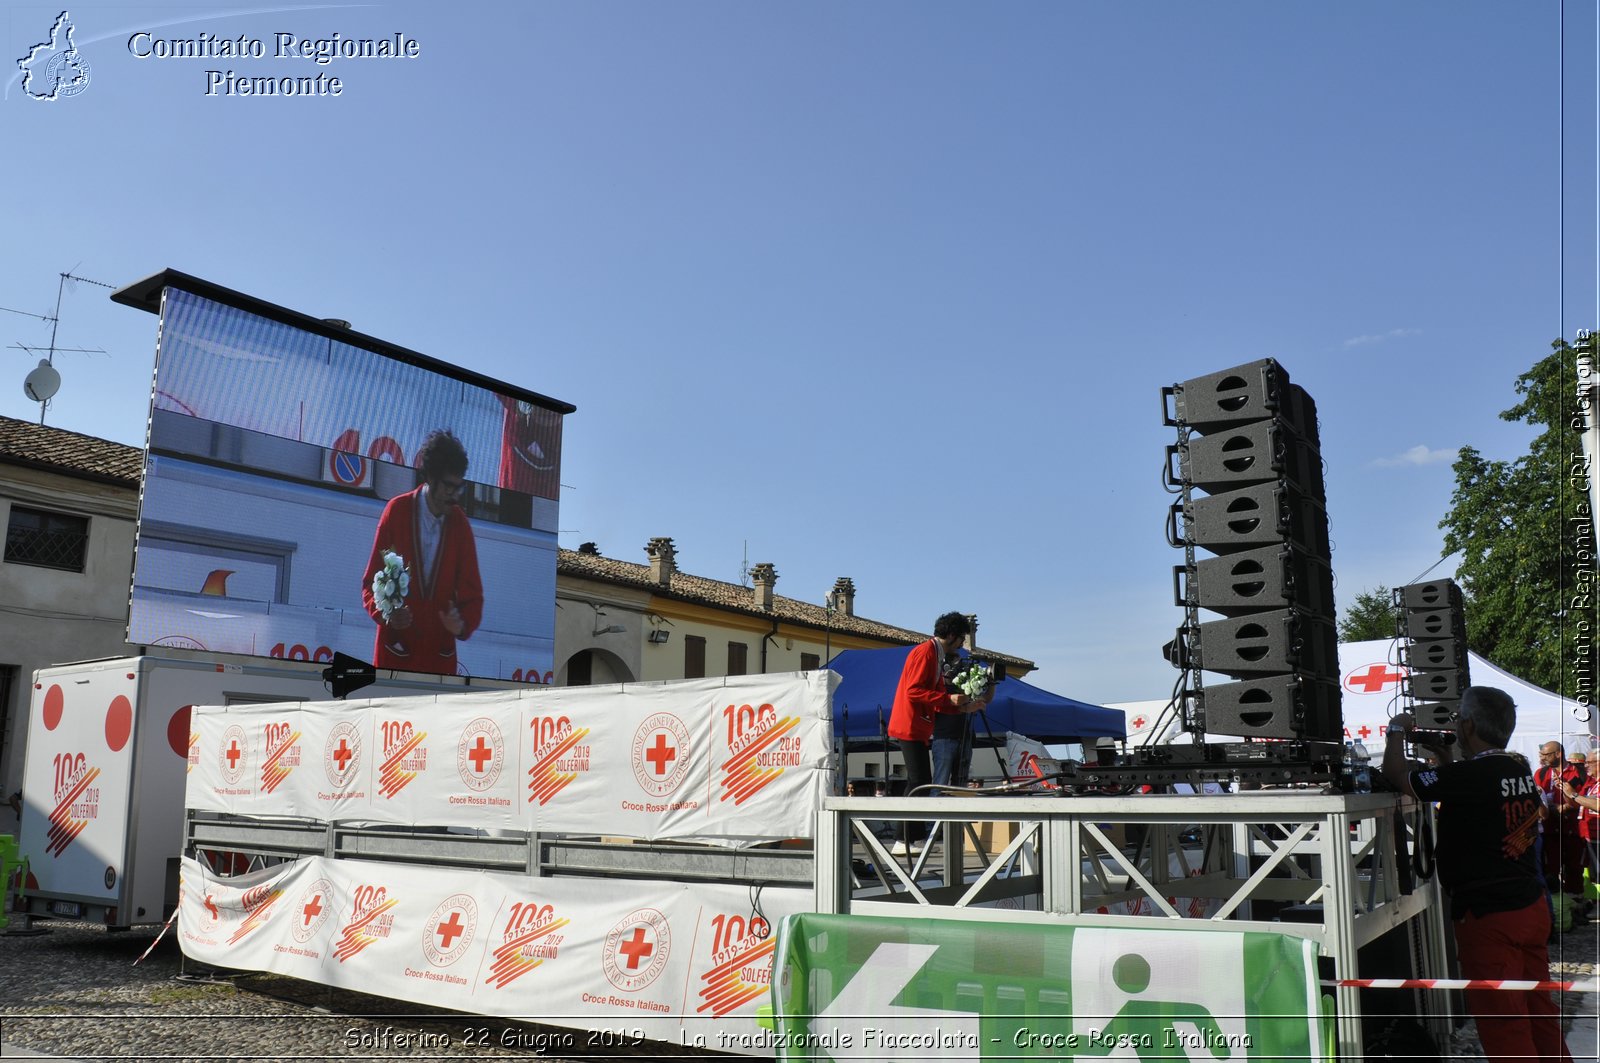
(663, 560)
(972, 635)
(844, 596)
(765, 577)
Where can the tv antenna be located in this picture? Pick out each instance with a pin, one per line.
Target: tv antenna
(44, 380)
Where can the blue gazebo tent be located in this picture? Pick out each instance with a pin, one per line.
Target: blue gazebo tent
(866, 696)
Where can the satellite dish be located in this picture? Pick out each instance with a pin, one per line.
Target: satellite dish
(42, 384)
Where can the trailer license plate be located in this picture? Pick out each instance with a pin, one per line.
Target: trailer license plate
(71, 909)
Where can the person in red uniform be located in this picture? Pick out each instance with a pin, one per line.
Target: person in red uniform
(428, 528)
(918, 699)
(1488, 819)
(1564, 849)
(1587, 798)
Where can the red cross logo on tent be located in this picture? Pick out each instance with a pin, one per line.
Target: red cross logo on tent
(233, 754)
(636, 948)
(1372, 678)
(343, 754)
(1363, 731)
(480, 755)
(1139, 722)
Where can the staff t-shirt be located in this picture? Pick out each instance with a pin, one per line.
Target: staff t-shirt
(1488, 819)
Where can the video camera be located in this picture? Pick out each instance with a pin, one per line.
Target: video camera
(1418, 736)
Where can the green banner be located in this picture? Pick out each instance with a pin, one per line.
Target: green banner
(859, 987)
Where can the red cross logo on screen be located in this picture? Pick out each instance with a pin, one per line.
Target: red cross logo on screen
(1372, 679)
(480, 755)
(448, 930)
(636, 948)
(661, 754)
(313, 908)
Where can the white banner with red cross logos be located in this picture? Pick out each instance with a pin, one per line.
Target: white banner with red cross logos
(741, 757)
(666, 961)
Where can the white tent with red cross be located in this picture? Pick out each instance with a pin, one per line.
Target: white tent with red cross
(1370, 675)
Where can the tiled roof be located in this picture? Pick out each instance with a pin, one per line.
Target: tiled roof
(42, 447)
(736, 598)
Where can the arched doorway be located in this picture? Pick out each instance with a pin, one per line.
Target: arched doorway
(593, 667)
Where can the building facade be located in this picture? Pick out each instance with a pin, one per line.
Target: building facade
(69, 503)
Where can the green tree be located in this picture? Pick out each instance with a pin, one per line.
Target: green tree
(1370, 616)
(1526, 535)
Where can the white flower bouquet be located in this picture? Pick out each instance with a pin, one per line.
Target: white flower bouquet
(973, 681)
(391, 584)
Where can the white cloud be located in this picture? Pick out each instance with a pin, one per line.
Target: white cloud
(1417, 455)
(1394, 333)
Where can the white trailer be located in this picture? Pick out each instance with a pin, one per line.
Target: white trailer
(109, 749)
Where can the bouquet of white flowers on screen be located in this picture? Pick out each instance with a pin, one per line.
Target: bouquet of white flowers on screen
(973, 681)
(391, 584)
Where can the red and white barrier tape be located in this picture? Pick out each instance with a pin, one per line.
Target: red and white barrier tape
(164, 928)
(1589, 985)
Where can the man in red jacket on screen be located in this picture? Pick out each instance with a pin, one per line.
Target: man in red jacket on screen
(443, 601)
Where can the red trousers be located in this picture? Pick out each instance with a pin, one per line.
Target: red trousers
(1565, 853)
(1513, 1024)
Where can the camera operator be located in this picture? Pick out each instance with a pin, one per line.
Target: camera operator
(1488, 819)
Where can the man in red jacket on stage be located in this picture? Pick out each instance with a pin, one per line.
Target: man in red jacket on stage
(429, 530)
(917, 700)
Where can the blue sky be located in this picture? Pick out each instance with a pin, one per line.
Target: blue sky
(882, 290)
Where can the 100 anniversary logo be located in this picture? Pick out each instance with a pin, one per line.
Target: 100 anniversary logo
(282, 754)
(77, 801)
(404, 756)
(559, 756)
(371, 918)
(741, 960)
(760, 747)
(530, 937)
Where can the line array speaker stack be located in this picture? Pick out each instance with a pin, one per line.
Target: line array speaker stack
(1259, 610)
(1433, 626)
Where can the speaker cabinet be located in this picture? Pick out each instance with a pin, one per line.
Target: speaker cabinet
(1279, 706)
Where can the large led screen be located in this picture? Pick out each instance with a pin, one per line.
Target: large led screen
(304, 495)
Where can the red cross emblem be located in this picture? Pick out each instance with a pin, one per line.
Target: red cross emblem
(343, 754)
(661, 754)
(1138, 722)
(1363, 731)
(312, 908)
(233, 754)
(1373, 679)
(480, 755)
(448, 930)
(636, 948)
